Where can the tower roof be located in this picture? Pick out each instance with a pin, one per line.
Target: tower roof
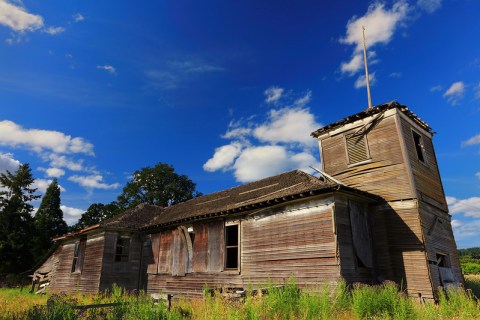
(370, 112)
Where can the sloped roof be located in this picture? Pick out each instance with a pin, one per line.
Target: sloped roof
(370, 112)
(133, 218)
(268, 191)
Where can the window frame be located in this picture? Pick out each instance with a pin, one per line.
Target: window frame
(78, 255)
(230, 224)
(368, 158)
(119, 255)
(420, 147)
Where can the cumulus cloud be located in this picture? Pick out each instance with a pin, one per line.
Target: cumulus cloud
(288, 125)
(261, 148)
(110, 69)
(53, 172)
(77, 17)
(361, 81)
(436, 88)
(7, 162)
(380, 24)
(14, 135)
(472, 141)
(223, 157)
(469, 207)
(273, 94)
(93, 182)
(429, 6)
(17, 18)
(455, 92)
(60, 161)
(71, 215)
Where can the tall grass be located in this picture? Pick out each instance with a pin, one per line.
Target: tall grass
(326, 301)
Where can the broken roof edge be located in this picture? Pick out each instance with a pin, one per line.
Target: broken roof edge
(76, 233)
(267, 203)
(370, 112)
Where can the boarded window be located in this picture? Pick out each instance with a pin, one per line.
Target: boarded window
(122, 249)
(357, 148)
(361, 234)
(153, 262)
(78, 255)
(418, 141)
(231, 246)
(179, 253)
(165, 255)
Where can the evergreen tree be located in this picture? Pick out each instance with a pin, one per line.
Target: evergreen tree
(16, 222)
(49, 221)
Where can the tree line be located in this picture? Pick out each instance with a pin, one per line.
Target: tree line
(25, 238)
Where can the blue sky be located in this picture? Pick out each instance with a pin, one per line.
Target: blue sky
(228, 92)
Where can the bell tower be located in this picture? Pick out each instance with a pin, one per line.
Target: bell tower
(388, 151)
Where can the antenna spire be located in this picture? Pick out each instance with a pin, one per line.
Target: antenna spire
(366, 68)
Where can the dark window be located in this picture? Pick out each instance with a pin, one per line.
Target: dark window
(442, 260)
(231, 246)
(122, 249)
(357, 148)
(78, 255)
(417, 140)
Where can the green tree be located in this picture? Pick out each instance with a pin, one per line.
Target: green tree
(48, 220)
(96, 213)
(159, 185)
(16, 222)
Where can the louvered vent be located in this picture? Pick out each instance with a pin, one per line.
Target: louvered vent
(357, 148)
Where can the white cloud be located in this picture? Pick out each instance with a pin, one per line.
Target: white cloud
(354, 65)
(93, 182)
(263, 148)
(288, 125)
(63, 162)
(361, 81)
(380, 24)
(108, 68)
(55, 172)
(455, 92)
(17, 18)
(13, 135)
(223, 157)
(429, 6)
(71, 215)
(273, 94)
(7, 162)
(472, 141)
(395, 75)
(477, 175)
(469, 207)
(302, 101)
(54, 30)
(436, 88)
(42, 184)
(77, 17)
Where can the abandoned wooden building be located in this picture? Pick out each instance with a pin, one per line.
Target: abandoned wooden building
(377, 213)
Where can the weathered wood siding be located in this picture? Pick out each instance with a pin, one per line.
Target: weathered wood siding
(407, 248)
(426, 176)
(351, 271)
(88, 280)
(296, 239)
(384, 175)
(123, 273)
(438, 233)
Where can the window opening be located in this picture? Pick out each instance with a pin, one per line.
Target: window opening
(191, 234)
(231, 246)
(78, 255)
(122, 249)
(418, 141)
(442, 260)
(357, 148)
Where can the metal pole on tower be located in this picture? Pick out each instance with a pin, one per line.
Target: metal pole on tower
(367, 79)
